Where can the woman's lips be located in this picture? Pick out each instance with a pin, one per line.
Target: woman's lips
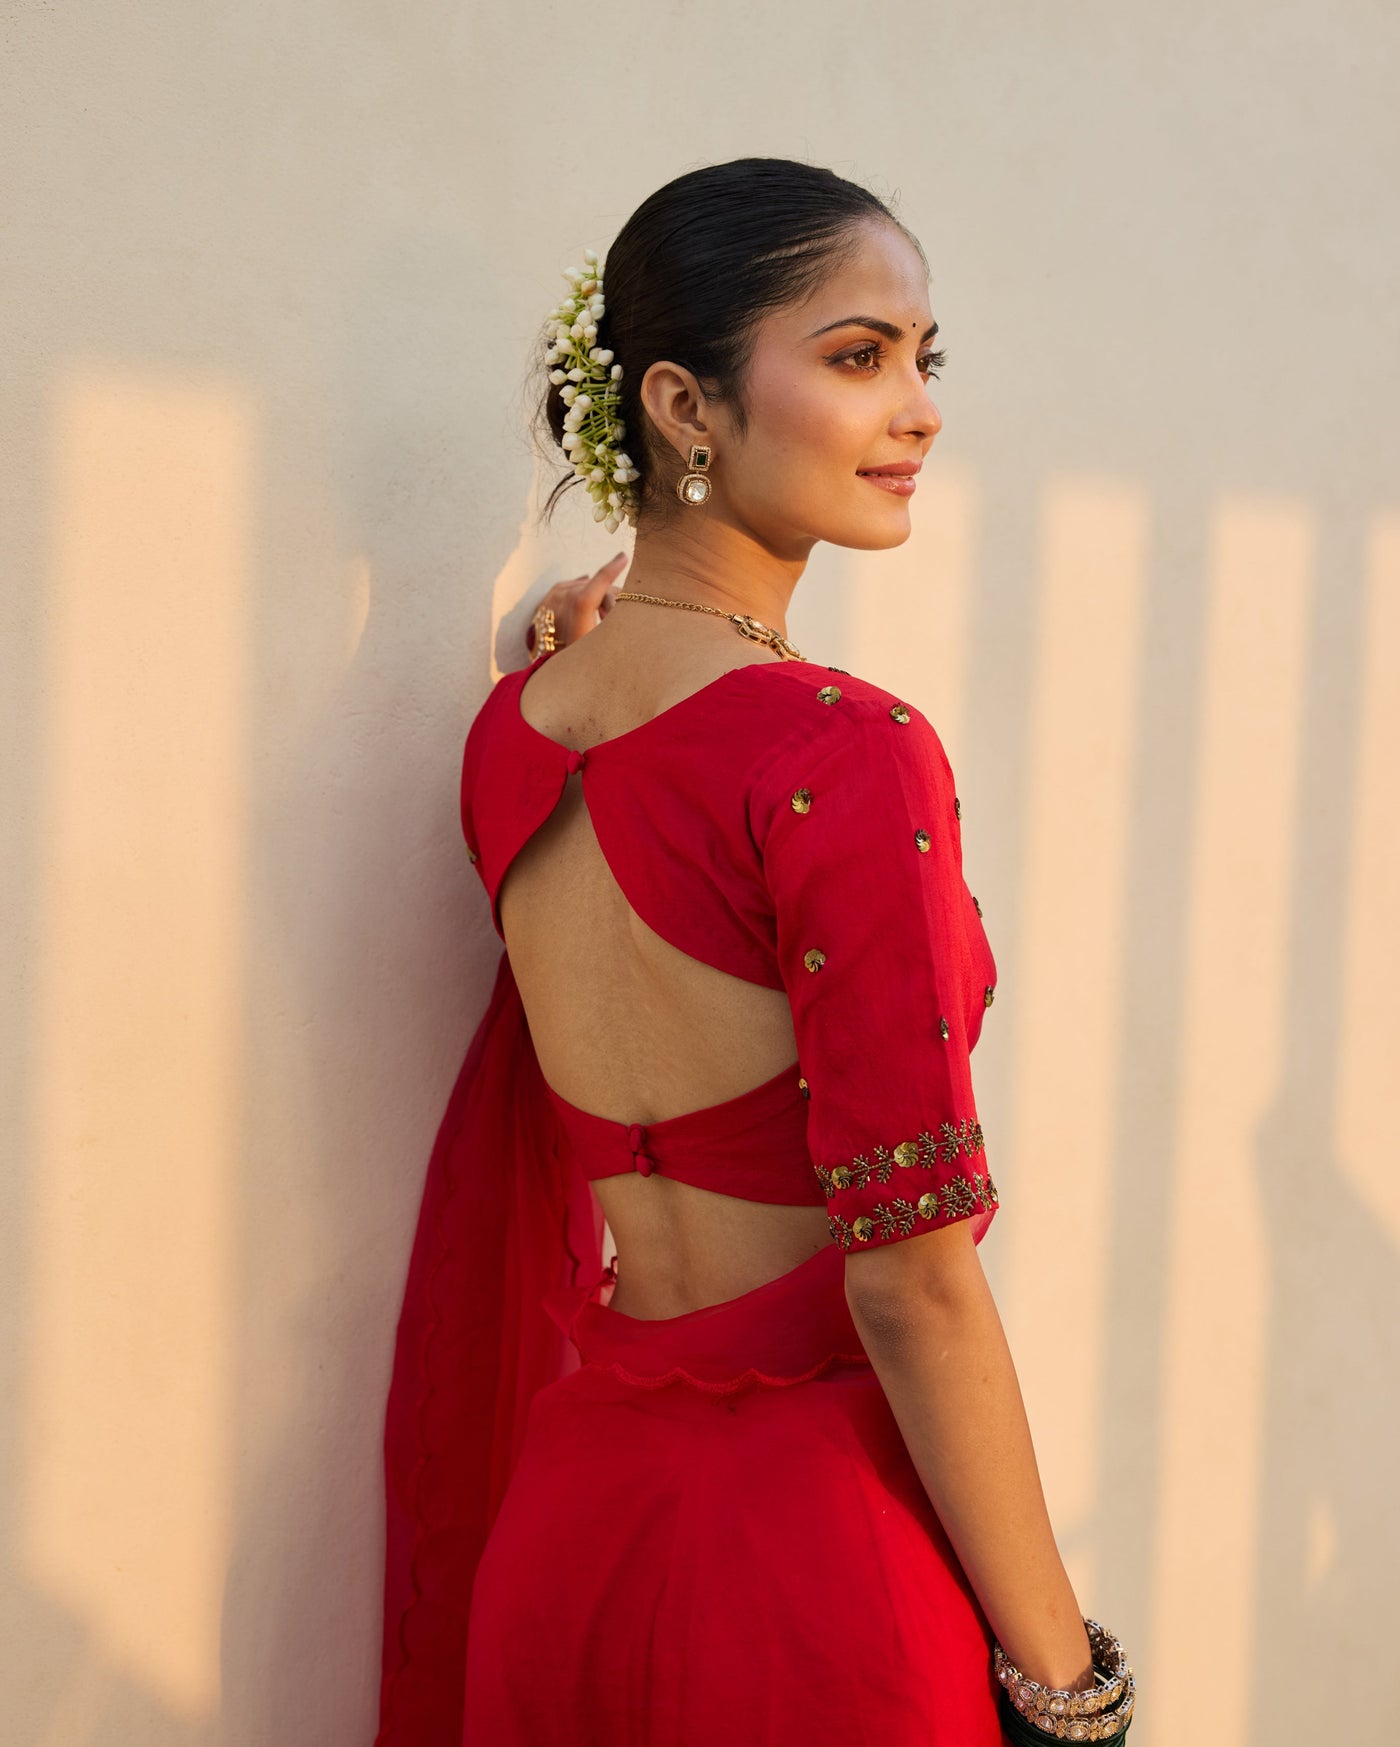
(901, 484)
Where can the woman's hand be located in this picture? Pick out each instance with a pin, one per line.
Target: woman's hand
(579, 604)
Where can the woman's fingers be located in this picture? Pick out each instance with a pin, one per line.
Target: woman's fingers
(604, 582)
(580, 603)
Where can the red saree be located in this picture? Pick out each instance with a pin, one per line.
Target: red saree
(704, 1527)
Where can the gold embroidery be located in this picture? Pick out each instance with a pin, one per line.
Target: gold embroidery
(922, 840)
(814, 958)
(987, 996)
(899, 713)
(803, 1087)
(957, 1139)
(957, 808)
(942, 1026)
(829, 694)
(959, 1197)
(976, 906)
(801, 800)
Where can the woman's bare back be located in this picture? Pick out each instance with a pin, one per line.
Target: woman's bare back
(625, 1025)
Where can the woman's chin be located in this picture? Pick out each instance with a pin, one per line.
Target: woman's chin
(867, 533)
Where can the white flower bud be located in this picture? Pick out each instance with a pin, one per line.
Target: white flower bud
(584, 401)
(557, 376)
(615, 372)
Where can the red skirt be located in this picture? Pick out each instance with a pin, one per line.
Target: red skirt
(715, 1533)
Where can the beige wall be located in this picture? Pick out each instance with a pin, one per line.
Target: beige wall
(270, 273)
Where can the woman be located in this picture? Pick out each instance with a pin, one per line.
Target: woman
(767, 1477)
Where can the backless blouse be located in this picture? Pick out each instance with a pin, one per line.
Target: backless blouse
(788, 823)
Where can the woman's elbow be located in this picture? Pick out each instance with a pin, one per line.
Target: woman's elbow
(891, 1288)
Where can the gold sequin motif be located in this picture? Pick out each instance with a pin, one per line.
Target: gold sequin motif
(922, 840)
(899, 713)
(959, 1197)
(942, 1026)
(801, 800)
(954, 1139)
(829, 694)
(976, 906)
(987, 996)
(814, 958)
(803, 1087)
(957, 808)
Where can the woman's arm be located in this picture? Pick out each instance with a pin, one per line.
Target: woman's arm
(927, 1319)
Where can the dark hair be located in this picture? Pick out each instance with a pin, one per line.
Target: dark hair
(691, 274)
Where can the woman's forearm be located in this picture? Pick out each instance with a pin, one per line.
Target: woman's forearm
(947, 1372)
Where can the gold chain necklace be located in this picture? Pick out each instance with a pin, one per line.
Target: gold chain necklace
(744, 623)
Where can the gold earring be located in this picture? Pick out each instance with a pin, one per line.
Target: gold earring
(694, 487)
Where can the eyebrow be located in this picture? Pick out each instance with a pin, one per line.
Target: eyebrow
(891, 330)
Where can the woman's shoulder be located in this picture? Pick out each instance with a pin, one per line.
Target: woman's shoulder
(828, 712)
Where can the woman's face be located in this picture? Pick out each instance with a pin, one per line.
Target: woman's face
(829, 396)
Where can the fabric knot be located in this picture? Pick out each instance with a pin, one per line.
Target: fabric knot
(636, 1139)
(575, 761)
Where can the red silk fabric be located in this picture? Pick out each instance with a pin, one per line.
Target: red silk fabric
(503, 1224)
(605, 1475)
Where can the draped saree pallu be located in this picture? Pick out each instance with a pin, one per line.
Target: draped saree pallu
(706, 1527)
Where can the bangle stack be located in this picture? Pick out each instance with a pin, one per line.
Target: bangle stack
(1033, 1712)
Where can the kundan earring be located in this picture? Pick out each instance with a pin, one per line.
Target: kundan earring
(694, 487)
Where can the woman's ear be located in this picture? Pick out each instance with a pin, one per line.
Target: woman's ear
(676, 406)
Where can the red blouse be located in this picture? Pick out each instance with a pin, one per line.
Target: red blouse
(787, 823)
(797, 827)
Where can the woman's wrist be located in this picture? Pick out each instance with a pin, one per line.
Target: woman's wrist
(1034, 1710)
(1052, 1649)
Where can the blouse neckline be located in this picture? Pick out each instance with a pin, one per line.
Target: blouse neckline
(651, 721)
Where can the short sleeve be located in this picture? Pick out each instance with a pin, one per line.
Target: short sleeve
(861, 842)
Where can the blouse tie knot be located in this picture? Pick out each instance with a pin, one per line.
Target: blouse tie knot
(575, 760)
(636, 1139)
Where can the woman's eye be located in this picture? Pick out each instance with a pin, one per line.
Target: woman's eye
(929, 363)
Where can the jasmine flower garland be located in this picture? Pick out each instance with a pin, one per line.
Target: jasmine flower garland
(588, 381)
